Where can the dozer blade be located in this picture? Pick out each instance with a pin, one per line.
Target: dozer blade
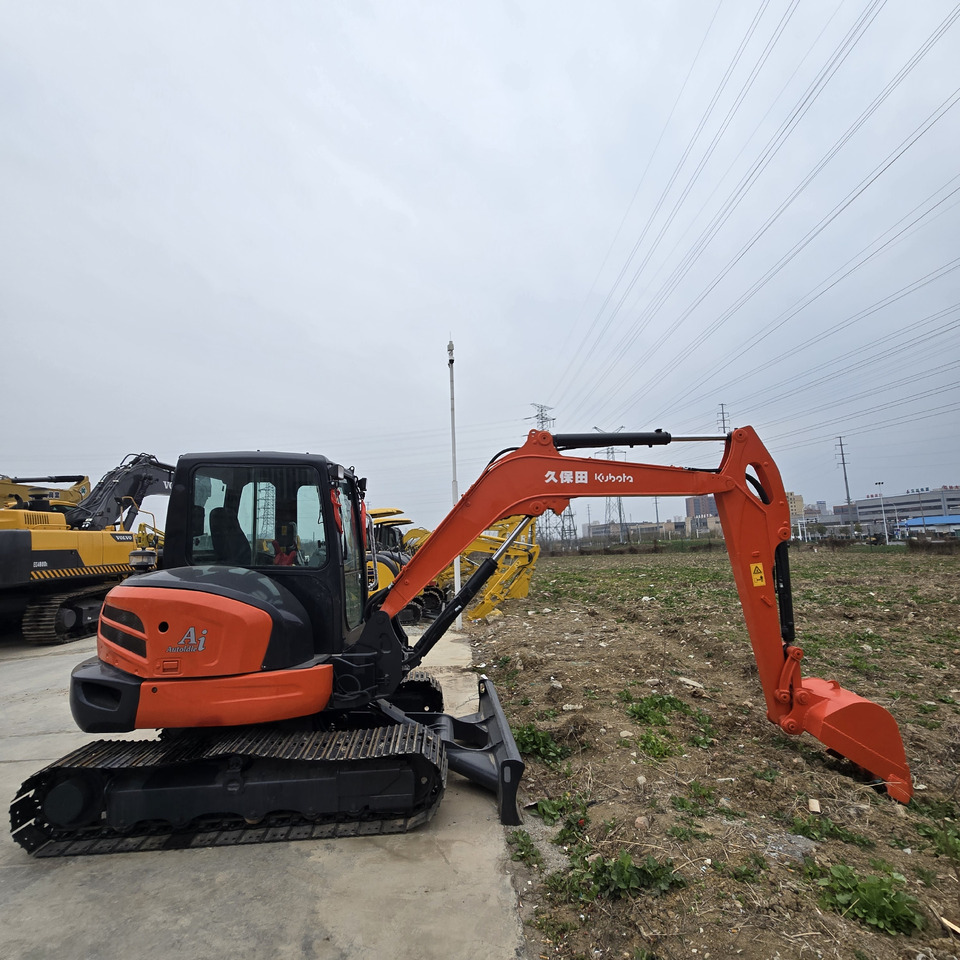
(479, 747)
(857, 729)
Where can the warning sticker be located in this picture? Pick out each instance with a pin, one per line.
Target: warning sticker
(756, 573)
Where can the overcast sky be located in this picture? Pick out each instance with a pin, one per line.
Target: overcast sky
(233, 225)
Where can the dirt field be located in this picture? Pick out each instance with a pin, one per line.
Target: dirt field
(672, 817)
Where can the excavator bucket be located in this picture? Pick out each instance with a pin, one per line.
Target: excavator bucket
(857, 729)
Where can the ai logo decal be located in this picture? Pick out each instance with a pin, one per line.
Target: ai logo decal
(190, 642)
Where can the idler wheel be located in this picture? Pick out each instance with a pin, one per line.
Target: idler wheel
(73, 802)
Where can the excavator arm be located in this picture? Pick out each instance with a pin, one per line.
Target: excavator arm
(755, 518)
(119, 493)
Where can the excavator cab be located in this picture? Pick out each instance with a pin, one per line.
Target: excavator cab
(262, 584)
(295, 520)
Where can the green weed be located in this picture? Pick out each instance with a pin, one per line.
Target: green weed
(532, 742)
(654, 746)
(552, 810)
(656, 708)
(746, 872)
(526, 850)
(873, 900)
(614, 878)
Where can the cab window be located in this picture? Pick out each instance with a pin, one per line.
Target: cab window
(257, 516)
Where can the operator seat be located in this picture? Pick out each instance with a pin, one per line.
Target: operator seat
(230, 545)
(286, 548)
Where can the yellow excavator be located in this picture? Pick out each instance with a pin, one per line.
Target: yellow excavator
(58, 560)
(19, 490)
(395, 546)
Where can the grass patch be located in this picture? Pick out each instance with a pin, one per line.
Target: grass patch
(654, 745)
(613, 878)
(747, 871)
(525, 850)
(532, 742)
(552, 810)
(874, 900)
(655, 709)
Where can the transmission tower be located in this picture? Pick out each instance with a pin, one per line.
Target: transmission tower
(544, 420)
(846, 484)
(614, 505)
(549, 526)
(723, 419)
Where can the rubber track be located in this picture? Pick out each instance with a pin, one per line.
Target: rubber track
(43, 839)
(419, 692)
(39, 625)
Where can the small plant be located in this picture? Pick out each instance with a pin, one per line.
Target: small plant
(768, 773)
(746, 872)
(655, 709)
(574, 829)
(692, 808)
(654, 746)
(700, 791)
(532, 742)
(553, 927)
(945, 840)
(701, 740)
(526, 850)
(874, 900)
(552, 810)
(614, 878)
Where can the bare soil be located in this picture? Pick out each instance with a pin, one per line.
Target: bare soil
(676, 818)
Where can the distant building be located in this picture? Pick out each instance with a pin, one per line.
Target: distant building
(795, 503)
(919, 503)
(633, 532)
(930, 527)
(701, 506)
(703, 526)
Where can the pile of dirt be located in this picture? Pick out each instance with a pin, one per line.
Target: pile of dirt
(667, 817)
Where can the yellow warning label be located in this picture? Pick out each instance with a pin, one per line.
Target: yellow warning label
(756, 572)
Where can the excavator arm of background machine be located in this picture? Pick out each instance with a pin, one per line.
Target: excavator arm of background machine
(119, 493)
(755, 518)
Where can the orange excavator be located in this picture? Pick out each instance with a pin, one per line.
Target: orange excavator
(291, 704)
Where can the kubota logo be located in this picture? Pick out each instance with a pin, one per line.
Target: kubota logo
(190, 642)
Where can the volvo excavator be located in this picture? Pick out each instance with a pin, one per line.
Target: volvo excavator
(58, 559)
(291, 704)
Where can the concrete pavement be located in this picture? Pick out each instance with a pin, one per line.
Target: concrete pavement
(439, 892)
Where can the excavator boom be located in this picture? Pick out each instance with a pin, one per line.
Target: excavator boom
(755, 518)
